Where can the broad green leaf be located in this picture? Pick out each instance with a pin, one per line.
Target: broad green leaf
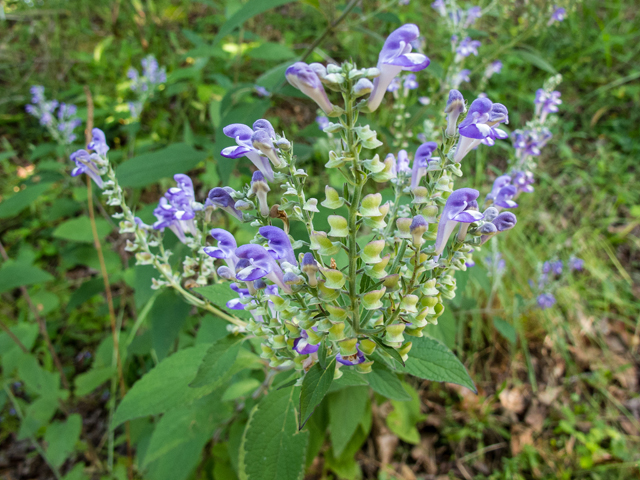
(386, 383)
(87, 290)
(271, 51)
(392, 352)
(167, 315)
(179, 462)
(15, 274)
(445, 330)
(505, 329)
(248, 10)
(185, 424)
(349, 378)
(315, 386)
(165, 387)
(76, 473)
(16, 203)
(217, 363)
(405, 416)
(272, 447)
(25, 332)
(219, 294)
(79, 230)
(241, 388)
(87, 382)
(150, 167)
(61, 438)
(346, 408)
(36, 379)
(38, 414)
(431, 360)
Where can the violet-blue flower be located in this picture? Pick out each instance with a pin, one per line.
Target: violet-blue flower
(98, 142)
(86, 164)
(243, 137)
(176, 210)
(305, 79)
(322, 122)
(498, 183)
(471, 15)
(261, 91)
(461, 76)
(454, 108)
(261, 264)
(558, 15)
(504, 197)
(351, 360)
(461, 206)
(302, 346)
(279, 243)
(221, 197)
(493, 68)
(546, 300)
(576, 264)
(394, 57)
(468, 47)
(421, 162)
(410, 82)
(226, 247)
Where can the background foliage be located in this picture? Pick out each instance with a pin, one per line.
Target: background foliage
(557, 389)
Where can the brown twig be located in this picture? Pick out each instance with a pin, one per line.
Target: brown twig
(42, 324)
(13, 337)
(105, 277)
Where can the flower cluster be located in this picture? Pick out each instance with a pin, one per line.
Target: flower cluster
(551, 274)
(144, 85)
(304, 299)
(61, 125)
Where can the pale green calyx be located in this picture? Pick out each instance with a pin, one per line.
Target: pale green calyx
(388, 173)
(373, 165)
(336, 313)
(311, 205)
(404, 228)
(327, 294)
(333, 199)
(367, 137)
(370, 205)
(377, 270)
(347, 347)
(335, 160)
(371, 300)
(367, 346)
(336, 332)
(429, 288)
(339, 226)
(323, 245)
(408, 304)
(371, 252)
(335, 278)
(420, 195)
(394, 332)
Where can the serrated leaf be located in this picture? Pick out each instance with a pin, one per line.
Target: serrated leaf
(61, 438)
(217, 363)
(315, 386)
(150, 167)
(13, 205)
(247, 11)
(272, 447)
(79, 230)
(165, 387)
(14, 275)
(346, 408)
(431, 360)
(386, 383)
(219, 294)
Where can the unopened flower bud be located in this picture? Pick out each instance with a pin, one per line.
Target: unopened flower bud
(310, 268)
(362, 87)
(283, 144)
(417, 228)
(260, 188)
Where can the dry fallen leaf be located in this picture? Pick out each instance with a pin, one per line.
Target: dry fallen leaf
(512, 400)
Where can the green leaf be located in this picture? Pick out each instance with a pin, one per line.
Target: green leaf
(248, 10)
(445, 330)
(405, 416)
(272, 447)
(346, 408)
(38, 414)
(217, 363)
(219, 294)
(61, 438)
(179, 463)
(167, 315)
(386, 383)
(25, 332)
(87, 382)
(165, 387)
(13, 205)
(349, 378)
(185, 424)
(505, 329)
(534, 57)
(392, 352)
(79, 230)
(15, 274)
(241, 388)
(315, 386)
(431, 360)
(271, 51)
(150, 167)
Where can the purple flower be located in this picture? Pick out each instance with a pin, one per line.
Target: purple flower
(394, 86)
(480, 124)
(461, 206)
(461, 76)
(351, 360)
(417, 228)
(402, 165)
(546, 102)
(504, 197)
(410, 82)
(498, 184)
(455, 107)
(135, 109)
(424, 100)
(523, 181)
(152, 75)
(498, 114)
(305, 79)
(493, 68)
(236, 303)
(221, 197)
(546, 300)
(421, 162)
(440, 7)
(226, 247)
(468, 47)
(261, 91)
(261, 264)
(98, 142)
(85, 163)
(322, 122)
(576, 264)
(556, 267)
(244, 136)
(279, 244)
(558, 15)
(176, 210)
(472, 15)
(261, 140)
(302, 346)
(395, 57)
(62, 127)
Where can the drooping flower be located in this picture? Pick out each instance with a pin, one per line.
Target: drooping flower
(85, 163)
(244, 136)
(395, 57)
(498, 184)
(305, 79)
(421, 162)
(176, 210)
(261, 264)
(480, 124)
(351, 360)
(461, 206)
(467, 47)
(279, 244)
(98, 142)
(221, 198)
(504, 197)
(498, 114)
(558, 15)
(455, 107)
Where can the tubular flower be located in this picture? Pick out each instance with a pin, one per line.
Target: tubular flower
(176, 210)
(351, 360)
(504, 221)
(304, 78)
(260, 264)
(226, 247)
(260, 188)
(504, 197)
(461, 206)
(498, 183)
(221, 197)
(243, 137)
(395, 57)
(480, 124)
(279, 244)
(523, 181)
(467, 47)
(421, 162)
(455, 107)
(85, 163)
(310, 267)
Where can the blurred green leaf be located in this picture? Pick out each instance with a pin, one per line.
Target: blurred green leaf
(405, 415)
(14, 275)
(219, 294)
(534, 58)
(16, 203)
(148, 168)
(61, 438)
(271, 51)
(241, 388)
(346, 408)
(505, 329)
(167, 315)
(386, 383)
(87, 382)
(79, 229)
